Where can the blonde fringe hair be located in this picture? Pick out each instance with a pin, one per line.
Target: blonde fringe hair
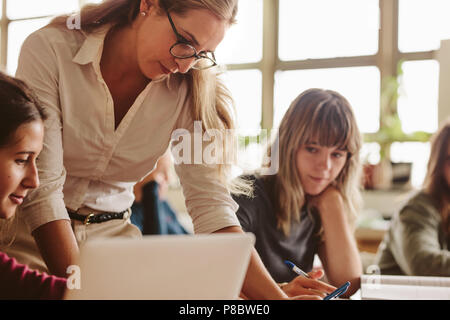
(326, 117)
(435, 183)
(211, 100)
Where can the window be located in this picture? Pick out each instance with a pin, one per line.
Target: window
(18, 31)
(416, 153)
(418, 101)
(279, 48)
(361, 88)
(246, 88)
(24, 9)
(327, 28)
(22, 17)
(423, 24)
(350, 46)
(243, 41)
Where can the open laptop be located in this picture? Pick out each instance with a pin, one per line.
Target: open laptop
(172, 267)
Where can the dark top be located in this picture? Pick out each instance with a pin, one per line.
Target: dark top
(257, 215)
(17, 281)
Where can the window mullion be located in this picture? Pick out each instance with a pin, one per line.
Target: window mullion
(388, 55)
(443, 56)
(269, 60)
(4, 36)
(340, 62)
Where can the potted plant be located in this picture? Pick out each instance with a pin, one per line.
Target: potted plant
(384, 175)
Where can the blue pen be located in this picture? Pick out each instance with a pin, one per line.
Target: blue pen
(339, 291)
(296, 269)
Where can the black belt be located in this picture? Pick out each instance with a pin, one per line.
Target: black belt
(96, 218)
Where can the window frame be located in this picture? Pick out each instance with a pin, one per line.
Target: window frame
(386, 59)
(4, 23)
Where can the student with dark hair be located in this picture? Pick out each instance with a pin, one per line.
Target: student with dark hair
(21, 137)
(417, 242)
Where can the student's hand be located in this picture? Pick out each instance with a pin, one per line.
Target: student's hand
(304, 286)
(306, 297)
(326, 201)
(300, 297)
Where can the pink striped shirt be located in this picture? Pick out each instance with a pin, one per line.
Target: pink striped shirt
(18, 281)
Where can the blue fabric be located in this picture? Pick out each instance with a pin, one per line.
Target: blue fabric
(153, 215)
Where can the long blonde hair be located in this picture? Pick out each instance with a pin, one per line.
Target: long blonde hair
(435, 183)
(212, 102)
(327, 116)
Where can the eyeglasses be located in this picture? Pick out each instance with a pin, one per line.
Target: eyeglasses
(182, 49)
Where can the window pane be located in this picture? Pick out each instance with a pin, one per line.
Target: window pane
(418, 102)
(83, 2)
(17, 9)
(423, 24)
(246, 89)
(360, 85)
(250, 158)
(370, 153)
(17, 33)
(243, 41)
(327, 28)
(415, 152)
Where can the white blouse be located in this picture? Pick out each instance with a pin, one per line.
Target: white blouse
(85, 160)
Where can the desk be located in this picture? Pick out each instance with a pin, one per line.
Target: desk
(368, 239)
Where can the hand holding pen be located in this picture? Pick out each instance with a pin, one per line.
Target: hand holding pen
(306, 283)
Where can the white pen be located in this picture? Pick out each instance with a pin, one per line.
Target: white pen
(296, 269)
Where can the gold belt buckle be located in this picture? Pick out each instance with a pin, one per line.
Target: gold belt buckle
(86, 221)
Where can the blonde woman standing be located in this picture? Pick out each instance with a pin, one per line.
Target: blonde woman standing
(417, 242)
(309, 206)
(115, 90)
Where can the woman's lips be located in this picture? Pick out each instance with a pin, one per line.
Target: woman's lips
(318, 180)
(16, 199)
(164, 69)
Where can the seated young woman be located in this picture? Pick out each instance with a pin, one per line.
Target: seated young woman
(309, 206)
(21, 138)
(417, 242)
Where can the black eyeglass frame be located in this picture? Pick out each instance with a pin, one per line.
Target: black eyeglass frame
(196, 55)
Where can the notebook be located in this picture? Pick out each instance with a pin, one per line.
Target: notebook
(173, 267)
(385, 287)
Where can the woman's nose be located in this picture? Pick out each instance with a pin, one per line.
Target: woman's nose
(184, 65)
(325, 162)
(31, 180)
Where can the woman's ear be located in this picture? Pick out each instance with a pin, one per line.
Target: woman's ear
(147, 5)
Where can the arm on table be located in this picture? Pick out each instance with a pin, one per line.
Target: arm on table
(258, 283)
(338, 252)
(57, 245)
(20, 282)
